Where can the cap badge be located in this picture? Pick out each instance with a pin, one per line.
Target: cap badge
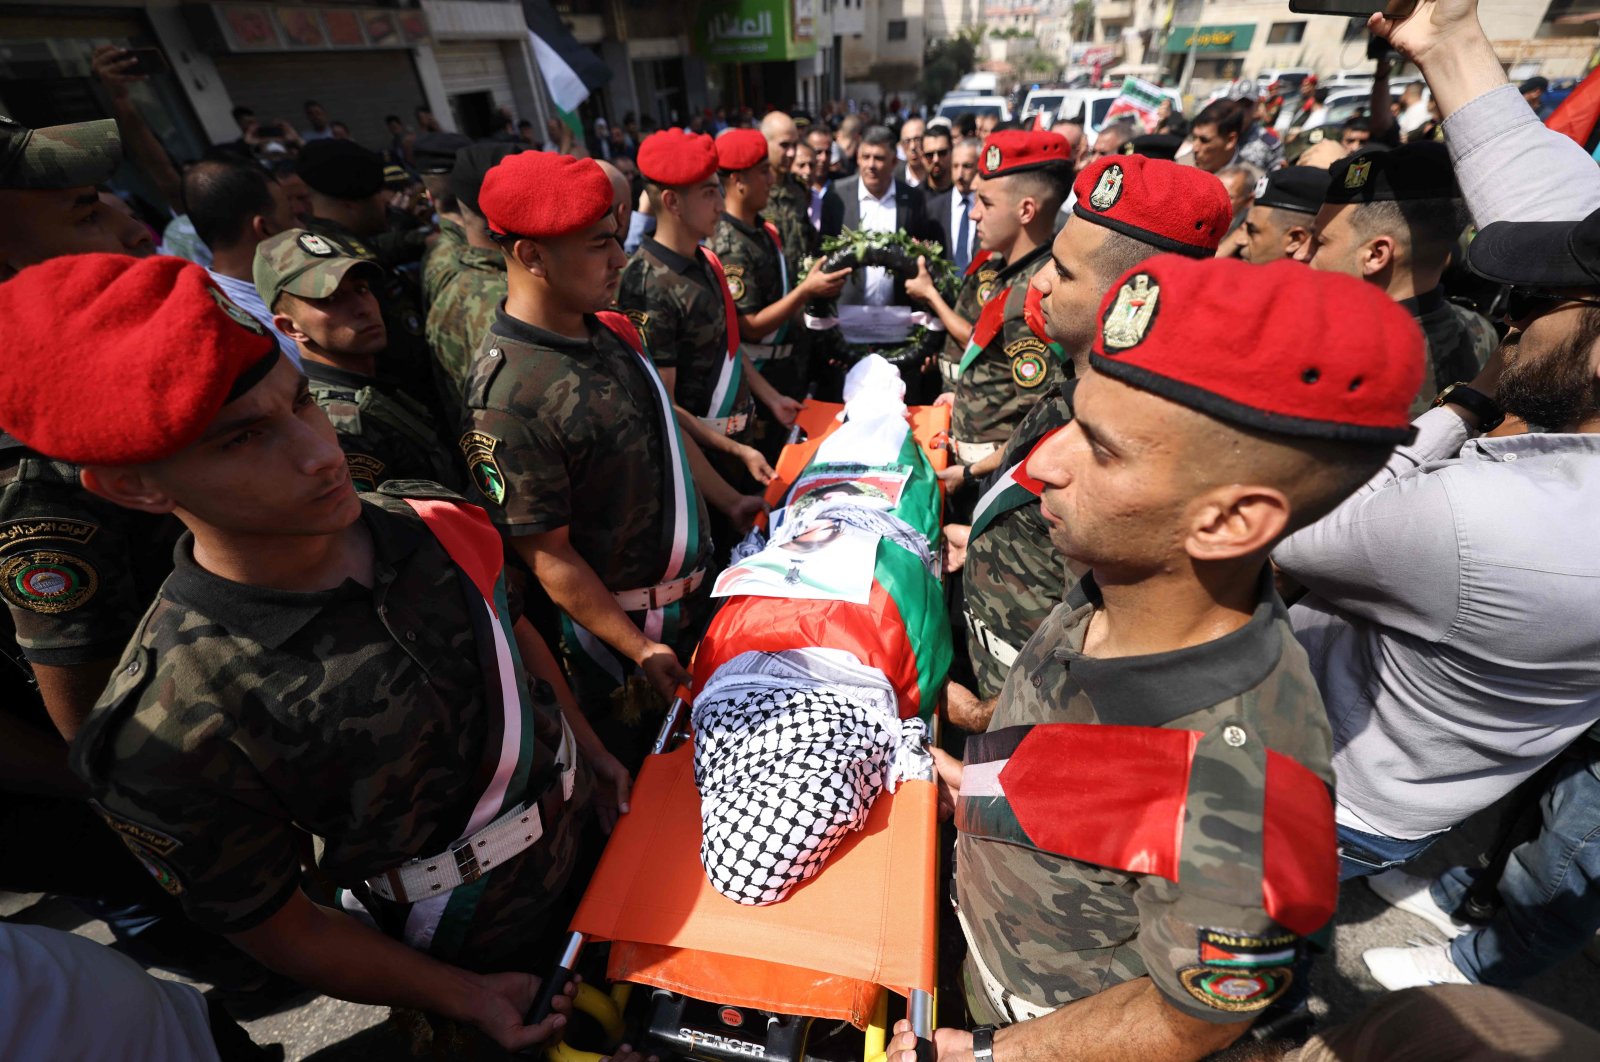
(311, 243)
(1130, 317)
(1108, 189)
(237, 312)
(1356, 175)
(1315, 136)
(991, 158)
(1261, 186)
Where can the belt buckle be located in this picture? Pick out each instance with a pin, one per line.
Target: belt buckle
(650, 597)
(467, 862)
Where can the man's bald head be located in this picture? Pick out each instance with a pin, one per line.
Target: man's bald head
(621, 196)
(783, 136)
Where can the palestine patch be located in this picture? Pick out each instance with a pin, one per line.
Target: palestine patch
(478, 447)
(14, 533)
(144, 836)
(735, 275)
(1028, 367)
(47, 581)
(641, 321)
(366, 472)
(986, 281)
(1221, 947)
(1237, 991)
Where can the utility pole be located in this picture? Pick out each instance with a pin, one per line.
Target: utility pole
(1194, 46)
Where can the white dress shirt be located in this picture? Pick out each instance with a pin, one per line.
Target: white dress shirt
(877, 215)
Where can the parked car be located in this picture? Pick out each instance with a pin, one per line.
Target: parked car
(1046, 101)
(1288, 79)
(954, 106)
(1090, 107)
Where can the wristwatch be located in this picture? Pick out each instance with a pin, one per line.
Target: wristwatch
(983, 1043)
(1474, 401)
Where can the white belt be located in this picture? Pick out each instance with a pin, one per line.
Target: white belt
(471, 858)
(760, 352)
(1011, 1006)
(729, 426)
(662, 594)
(971, 453)
(950, 371)
(992, 643)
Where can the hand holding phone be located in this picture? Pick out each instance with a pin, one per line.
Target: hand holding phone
(147, 62)
(1362, 9)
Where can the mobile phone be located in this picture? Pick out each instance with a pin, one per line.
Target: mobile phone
(147, 61)
(1378, 48)
(1353, 8)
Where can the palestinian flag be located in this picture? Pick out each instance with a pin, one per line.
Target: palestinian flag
(1578, 116)
(571, 71)
(1012, 490)
(1138, 98)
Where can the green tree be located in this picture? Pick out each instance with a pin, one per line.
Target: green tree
(946, 62)
(1083, 20)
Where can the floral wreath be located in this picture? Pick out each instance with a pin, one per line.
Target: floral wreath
(897, 252)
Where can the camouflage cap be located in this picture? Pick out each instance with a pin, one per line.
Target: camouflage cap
(59, 156)
(300, 262)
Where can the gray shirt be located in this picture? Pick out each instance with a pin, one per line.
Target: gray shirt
(1453, 628)
(1512, 168)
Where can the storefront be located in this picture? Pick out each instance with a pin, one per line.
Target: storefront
(752, 48)
(1219, 51)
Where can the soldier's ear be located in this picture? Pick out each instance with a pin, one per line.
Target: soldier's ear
(1236, 520)
(286, 325)
(530, 256)
(1377, 254)
(130, 486)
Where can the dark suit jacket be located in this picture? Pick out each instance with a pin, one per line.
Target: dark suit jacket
(841, 207)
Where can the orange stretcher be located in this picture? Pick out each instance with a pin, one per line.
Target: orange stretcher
(834, 948)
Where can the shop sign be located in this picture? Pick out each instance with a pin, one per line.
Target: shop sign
(755, 31)
(1235, 38)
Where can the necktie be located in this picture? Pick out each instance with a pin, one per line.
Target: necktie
(963, 255)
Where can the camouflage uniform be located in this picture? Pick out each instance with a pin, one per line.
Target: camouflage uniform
(566, 433)
(463, 306)
(1013, 577)
(364, 716)
(1052, 930)
(1004, 382)
(976, 287)
(1459, 343)
(439, 260)
(786, 207)
(76, 571)
(677, 305)
(384, 434)
(756, 278)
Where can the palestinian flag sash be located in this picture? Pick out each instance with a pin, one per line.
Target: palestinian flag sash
(1012, 490)
(681, 536)
(730, 376)
(1035, 321)
(782, 330)
(988, 326)
(439, 924)
(977, 263)
(1119, 796)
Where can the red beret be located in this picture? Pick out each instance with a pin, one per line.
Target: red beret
(740, 149)
(1280, 347)
(113, 360)
(1015, 150)
(542, 195)
(675, 158)
(1173, 207)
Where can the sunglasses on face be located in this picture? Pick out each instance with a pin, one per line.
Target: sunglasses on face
(935, 154)
(1522, 304)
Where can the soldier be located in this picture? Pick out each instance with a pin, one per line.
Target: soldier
(571, 441)
(1392, 218)
(1023, 178)
(322, 300)
(1279, 222)
(348, 202)
(472, 284)
(435, 158)
(1012, 577)
(317, 661)
(789, 200)
(758, 271)
(1145, 831)
(675, 292)
(977, 285)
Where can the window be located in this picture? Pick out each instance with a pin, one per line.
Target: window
(897, 29)
(1286, 33)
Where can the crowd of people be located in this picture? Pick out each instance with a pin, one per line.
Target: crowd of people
(358, 527)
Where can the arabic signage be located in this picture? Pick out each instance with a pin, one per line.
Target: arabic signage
(755, 31)
(1210, 39)
(276, 28)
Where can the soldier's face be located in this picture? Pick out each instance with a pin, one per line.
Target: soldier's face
(44, 224)
(781, 145)
(994, 211)
(1072, 287)
(1335, 246)
(298, 193)
(585, 267)
(348, 322)
(699, 206)
(1271, 234)
(757, 186)
(269, 465)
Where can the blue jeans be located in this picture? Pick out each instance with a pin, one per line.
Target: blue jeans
(1549, 893)
(1361, 854)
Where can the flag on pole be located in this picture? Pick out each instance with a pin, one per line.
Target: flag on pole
(571, 71)
(1578, 116)
(1138, 98)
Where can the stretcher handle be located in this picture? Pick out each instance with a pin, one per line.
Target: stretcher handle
(925, 1051)
(556, 982)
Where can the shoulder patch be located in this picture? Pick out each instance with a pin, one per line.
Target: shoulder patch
(1238, 991)
(1224, 947)
(417, 488)
(478, 448)
(1028, 367)
(366, 472)
(735, 275)
(641, 321)
(14, 534)
(148, 845)
(986, 282)
(48, 581)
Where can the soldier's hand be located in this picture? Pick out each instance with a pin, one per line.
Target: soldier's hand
(662, 670)
(820, 285)
(963, 708)
(949, 1045)
(743, 512)
(921, 287)
(756, 465)
(613, 787)
(786, 409)
(111, 65)
(955, 550)
(949, 771)
(505, 999)
(946, 398)
(953, 475)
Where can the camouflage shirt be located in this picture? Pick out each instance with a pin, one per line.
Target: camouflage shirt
(439, 260)
(976, 287)
(756, 278)
(76, 571)
(384, 434)
(677, 306)
(565, 433)
(1013, 577)
(1459, 343)
(463, 306)
(786, 207)
(1003, 382)
(1052, 930)
(360, 714)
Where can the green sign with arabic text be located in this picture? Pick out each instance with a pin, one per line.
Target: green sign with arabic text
(754, 31)
(1210, 39)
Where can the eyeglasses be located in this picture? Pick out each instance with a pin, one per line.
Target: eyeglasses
(938, 154)
(1522, 304)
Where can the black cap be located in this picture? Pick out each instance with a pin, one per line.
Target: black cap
(1539, 254)
(1154, 145)
(342, 169)
(1412, 171)
(1298, 188)
(436, 152)
(472, 162)
(1540, 84)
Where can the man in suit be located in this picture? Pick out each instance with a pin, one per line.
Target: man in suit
(911, 169)
(936, 158)
(874, 201)
(950, 211)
